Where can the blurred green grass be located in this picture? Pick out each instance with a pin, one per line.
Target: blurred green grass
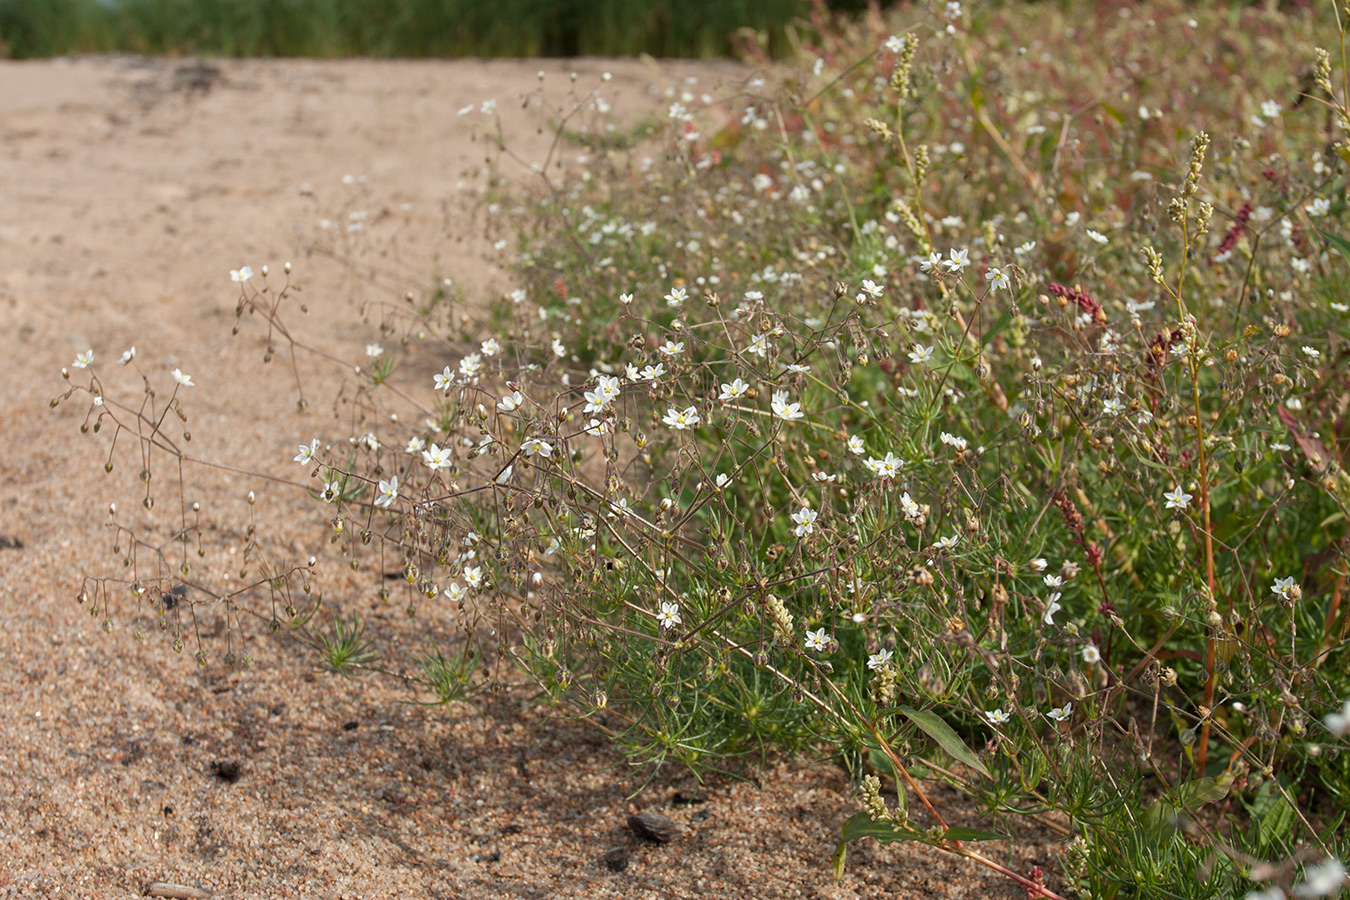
(394, 28)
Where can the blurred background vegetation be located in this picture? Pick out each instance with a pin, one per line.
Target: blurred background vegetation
(403, 28)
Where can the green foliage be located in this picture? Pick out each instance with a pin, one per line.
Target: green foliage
(393, 28)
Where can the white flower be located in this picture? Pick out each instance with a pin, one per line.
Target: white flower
(824, 477)
(1270, 109)
(856, 446)
(671, 348)
(184, 380)
(732, 391)
(598, 428)
(474, 576)
(1051, 607)
(872, 288)
(535, 445)
(1098, 236)
(912, 509)
(806, 521)
(1284, 587)
(1338, 723)
(127, 356)
(605, 392)
(1311, 352)
(239, 276)
(997, 716)
(959, 259)
(471, 365)
(83, 360)
(1274, 892)
(1038, 564)
(307, 452)
(886, 468)
(1060, 713)
(505, 474)
(998, 278)
(444, 379)
(490, 347)
(946, 543)
(682, 419)
(511, 402)
(932, 262)
(456, 591)
(894, 44)
(669, 616)
(559, 349)
(920, 354)
(1113, 406)
(1053, 581)
(722, 480)
(489, 107)
(1091, 655)
(1178, 498)
(436, 457)
(676, 296)
(387, 492)
(1319, 207)
(625, 299)
(817, 640)
(332, 491)
(784, 410)
(1024, 249)
(759, 344)
(953, 441)
(1322, 880)
(879, 660)
(374, 350)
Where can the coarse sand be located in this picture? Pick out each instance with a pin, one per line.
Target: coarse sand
(129, 188)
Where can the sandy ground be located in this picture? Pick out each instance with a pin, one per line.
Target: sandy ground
(128, 190)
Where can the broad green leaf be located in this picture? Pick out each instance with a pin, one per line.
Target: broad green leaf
(972, 834)
(1195, 794)
(1339, 243)
(936, 728)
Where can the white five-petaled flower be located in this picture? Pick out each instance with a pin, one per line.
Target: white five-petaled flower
(1051, 607)
(374, 350)
(240, 275)
(759, 344)
(331, 492)
(669, 616)
(127, 356)
(784, 410)
(1178, 498)
(436, 457)
(607, 388)
(958, 260)
(490, 347)
(872, 288)
(474, 576)
(946, 543)
(1053, 581)
(1283, 587)
(856, 445)
(734, 390)
(920, 354)
(1311, 352)
(387, 492)
(997, 716)
(1091, 655)
(1098, 236)
(806, 521)
(682, 419)
(307, 452)
(1319, 207)
(651, 373)
(933, 261)
(722, 480)
(536, 446)
(1338, 723)
(912, 509)
(83, 360)
(511, 402)
(471, 365)
(998, 278)
(676, 296)
(879, 659)
(671, 348)
(456, 591)
(1322, 880)
(184, 380)
(1113, 406)
(817, 640)
(886, 468)
(1060, 713)
(444, 379)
